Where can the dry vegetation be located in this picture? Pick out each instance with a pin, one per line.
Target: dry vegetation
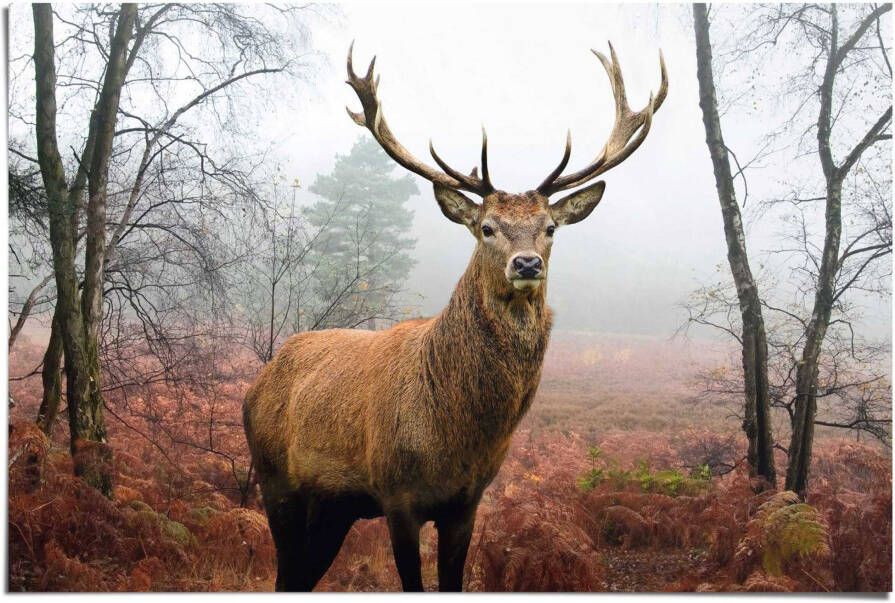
(614, 482)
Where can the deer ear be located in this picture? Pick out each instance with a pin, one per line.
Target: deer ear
(578, 205)
(456, 206)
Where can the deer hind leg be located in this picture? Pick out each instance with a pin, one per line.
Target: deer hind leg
(287, 518)
(328, 523)
(404, 530)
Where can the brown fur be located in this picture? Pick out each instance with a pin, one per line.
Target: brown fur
(415, 414)
(413, 421)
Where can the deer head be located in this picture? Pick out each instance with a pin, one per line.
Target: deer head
(515, 231)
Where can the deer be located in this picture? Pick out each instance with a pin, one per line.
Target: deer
(414, 421)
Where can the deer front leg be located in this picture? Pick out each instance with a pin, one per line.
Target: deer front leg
(454, 534)
(404, 530)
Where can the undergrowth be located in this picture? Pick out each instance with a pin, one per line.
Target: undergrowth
(567, 512)
(668, 481)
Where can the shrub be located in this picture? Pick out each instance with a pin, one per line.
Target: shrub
(67, 573)
(671, 482)
(139, 505)
(240, 538)
(124, 495)
(28, 451)
(621, 525)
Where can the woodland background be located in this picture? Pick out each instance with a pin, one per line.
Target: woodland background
(161, 249)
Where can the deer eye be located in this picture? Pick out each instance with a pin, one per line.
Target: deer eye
(487, 231)
(550, 230)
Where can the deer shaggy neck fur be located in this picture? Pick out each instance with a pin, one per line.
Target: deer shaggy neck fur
(415, 415)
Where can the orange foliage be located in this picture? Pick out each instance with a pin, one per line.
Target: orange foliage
(174, 522)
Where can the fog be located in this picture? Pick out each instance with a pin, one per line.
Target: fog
(526, 73)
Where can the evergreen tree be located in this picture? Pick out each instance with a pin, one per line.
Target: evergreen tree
(362, 258)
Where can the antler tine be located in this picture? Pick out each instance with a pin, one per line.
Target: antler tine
(469, 182)
(486, 176)
(372, 118)
(472, 182)
(663, 87)
(544, 187)
(620, 148)
(613, 68)
(351, 60)
(622, 141)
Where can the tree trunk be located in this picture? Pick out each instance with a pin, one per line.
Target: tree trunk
(67, 315)
(86, 421)
(802, 439)
(80, 316)
(53, 356)
(756, 421)
(52, 378)
(273, 306)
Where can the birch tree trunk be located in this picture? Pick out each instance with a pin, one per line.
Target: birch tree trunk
(756, 419)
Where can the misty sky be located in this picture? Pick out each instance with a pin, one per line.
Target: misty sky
(527, 74)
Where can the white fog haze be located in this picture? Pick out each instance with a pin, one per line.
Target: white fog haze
(528, 75)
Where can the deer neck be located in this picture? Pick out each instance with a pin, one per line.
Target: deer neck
(482, 358)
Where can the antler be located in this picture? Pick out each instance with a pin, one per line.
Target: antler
(372, 118)
(620, 144)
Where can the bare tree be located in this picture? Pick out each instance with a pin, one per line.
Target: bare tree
(274, 272)
(135, 156)
(286, 281)
(823, 22)
(817, 362)
(29, 253)
(35, 297)
(853, 381)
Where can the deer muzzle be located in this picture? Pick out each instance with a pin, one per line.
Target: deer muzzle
(526, 271)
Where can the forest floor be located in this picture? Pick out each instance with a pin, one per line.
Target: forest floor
(612, 483)
(646, 570)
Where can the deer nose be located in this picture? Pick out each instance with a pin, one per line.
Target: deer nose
(527, 266)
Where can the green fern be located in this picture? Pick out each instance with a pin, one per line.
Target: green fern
(789, 529)
(177, 532)
(591, 479)
(670, 482)
(642, 474)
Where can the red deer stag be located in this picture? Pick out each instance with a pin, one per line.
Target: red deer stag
(413, 422)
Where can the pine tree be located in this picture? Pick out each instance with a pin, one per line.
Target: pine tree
(363, 255)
